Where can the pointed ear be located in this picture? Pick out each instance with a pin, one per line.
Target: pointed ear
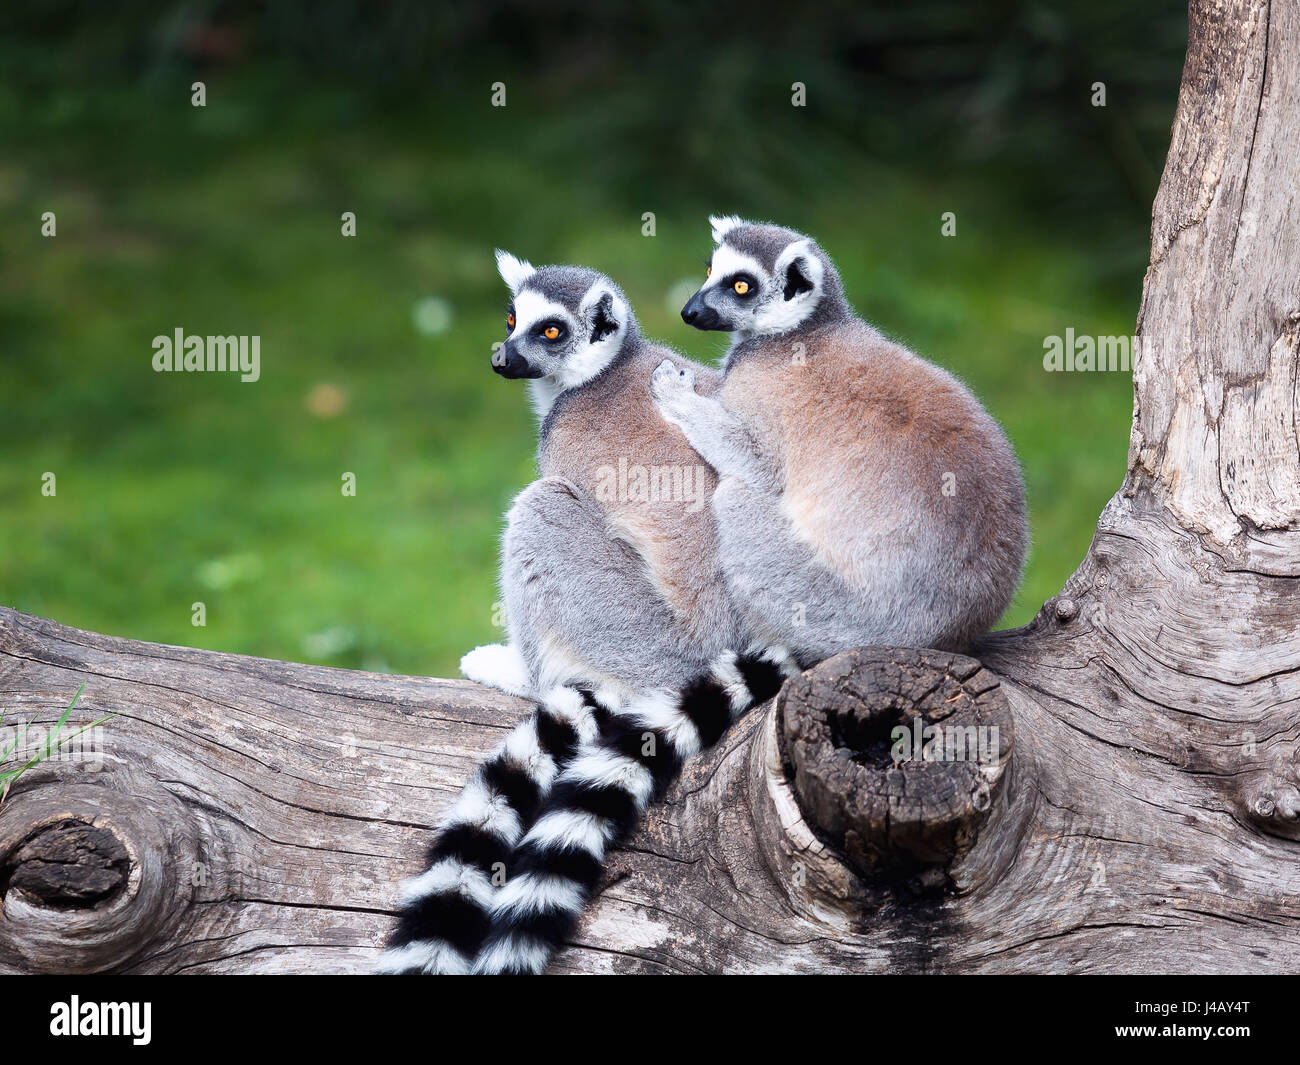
(606, 313)
(798, 270)
(721, 225)
(514, 272)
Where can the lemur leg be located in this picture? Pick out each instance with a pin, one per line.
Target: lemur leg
(788, 595)
(717, 434)
(580, 604)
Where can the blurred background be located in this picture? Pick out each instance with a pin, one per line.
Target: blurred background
(175, 489)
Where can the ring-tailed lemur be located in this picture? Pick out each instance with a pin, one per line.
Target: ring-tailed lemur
(612, 591)
(609, 571)
(864, 496)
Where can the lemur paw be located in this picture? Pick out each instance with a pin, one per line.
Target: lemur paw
(498, 666)
(669, 385)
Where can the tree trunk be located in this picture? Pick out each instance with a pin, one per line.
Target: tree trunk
(1138, 809)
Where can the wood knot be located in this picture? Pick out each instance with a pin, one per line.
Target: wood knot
(898, 756)
(1271, 798)
(67, 864)
(91, 876)
(1066, 609)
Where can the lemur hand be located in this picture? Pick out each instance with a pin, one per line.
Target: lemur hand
(669, 387)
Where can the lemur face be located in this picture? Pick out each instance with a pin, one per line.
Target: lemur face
(762, 280)
(564, 324)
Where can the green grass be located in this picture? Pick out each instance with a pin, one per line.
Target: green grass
(181, 488)
(49, 746)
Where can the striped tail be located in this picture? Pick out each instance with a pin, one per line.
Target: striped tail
(445, 910)
(597, 800)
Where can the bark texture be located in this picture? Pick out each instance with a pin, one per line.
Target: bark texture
(1138, 812)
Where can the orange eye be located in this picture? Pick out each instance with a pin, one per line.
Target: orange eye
(551, 332)
(708, 271)
(510, 320)
(741, 287)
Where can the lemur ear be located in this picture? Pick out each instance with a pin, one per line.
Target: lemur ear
(721, 225)
(799, 270)
(514, 272)
(604, 310)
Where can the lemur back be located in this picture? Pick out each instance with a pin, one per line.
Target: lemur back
(607, 438)
(889, 468)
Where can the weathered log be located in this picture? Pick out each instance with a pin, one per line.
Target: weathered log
(1144, 817)
(267, 810)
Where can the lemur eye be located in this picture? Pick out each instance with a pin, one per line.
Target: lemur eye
(510, 320)
(708, 271)
(741, 287)
(551, 332)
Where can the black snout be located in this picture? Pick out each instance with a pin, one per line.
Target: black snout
(507, 361)
(702, 317)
